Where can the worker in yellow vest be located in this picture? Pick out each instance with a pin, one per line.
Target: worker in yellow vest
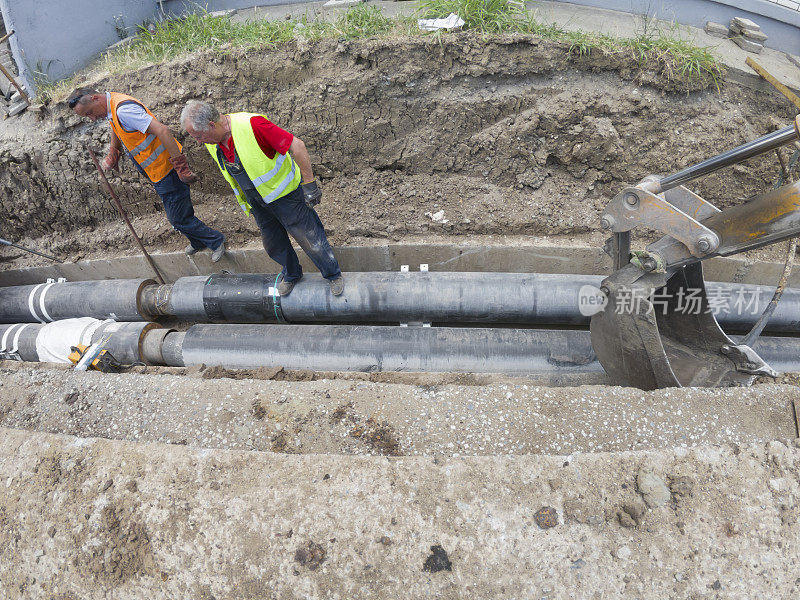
(270, 172)
(156, 154)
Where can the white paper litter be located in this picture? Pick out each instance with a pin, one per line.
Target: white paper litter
(451, 21)
(437, 217)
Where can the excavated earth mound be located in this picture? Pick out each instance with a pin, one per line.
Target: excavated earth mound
(511, 135)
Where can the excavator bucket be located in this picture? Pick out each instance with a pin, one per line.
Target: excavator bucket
(656, 328)
(653, 336)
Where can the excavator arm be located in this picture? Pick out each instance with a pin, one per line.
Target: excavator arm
(656, 329)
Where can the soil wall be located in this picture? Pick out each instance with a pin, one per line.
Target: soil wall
(511, 135)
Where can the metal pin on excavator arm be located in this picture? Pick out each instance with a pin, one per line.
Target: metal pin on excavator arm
(678, 342)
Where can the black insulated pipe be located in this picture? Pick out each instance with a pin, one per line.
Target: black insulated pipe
(386, 348)
(394, 297)
(116, 299)
(18, 341)
(125, 341)
(440, 297)
(377, 297)
(359, 348)
(421, 349)
(240, 298)
(245, 298)
(172, 347)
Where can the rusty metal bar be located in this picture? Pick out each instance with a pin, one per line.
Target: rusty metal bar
(124, 215)
(768, 218)
(10, 76)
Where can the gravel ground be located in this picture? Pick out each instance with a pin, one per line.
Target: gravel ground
(333, 416)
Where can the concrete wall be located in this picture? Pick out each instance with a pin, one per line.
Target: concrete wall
(181, 6)
(781, 24)
(56, 38)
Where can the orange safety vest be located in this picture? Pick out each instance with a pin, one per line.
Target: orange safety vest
(146, 149)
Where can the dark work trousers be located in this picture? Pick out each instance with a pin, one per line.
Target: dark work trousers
(180, 213)
(291, 214)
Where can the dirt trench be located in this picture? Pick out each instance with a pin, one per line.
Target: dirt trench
(508, 136)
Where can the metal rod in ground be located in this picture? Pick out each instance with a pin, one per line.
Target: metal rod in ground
(7, 243)
(796, 411)
(767, 314)
(11, 77)
(125, 215)
(787, 269)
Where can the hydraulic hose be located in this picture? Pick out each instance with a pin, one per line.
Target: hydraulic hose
(765, 143)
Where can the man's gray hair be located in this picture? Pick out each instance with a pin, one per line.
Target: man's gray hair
(199, 114)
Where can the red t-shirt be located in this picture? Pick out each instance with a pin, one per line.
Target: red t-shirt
(269, 136)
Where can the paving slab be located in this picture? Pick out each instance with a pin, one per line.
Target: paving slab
(744, 24)
(747, 45)
(716, 29)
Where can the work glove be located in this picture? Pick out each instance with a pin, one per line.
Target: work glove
(182, 169)
(112, 159)
(312, 193)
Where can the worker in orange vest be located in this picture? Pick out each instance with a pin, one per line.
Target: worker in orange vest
(156, 154)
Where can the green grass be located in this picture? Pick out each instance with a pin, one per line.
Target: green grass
(675, 57)
(363, 20)
(487, 16)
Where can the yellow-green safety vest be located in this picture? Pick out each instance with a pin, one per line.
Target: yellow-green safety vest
(273, 178)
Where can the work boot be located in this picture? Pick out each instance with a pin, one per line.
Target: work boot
(285, 287)
(216, 255)
(337, 286)
(191, 250)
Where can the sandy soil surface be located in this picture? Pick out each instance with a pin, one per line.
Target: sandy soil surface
(94, 519)
(207, 408)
